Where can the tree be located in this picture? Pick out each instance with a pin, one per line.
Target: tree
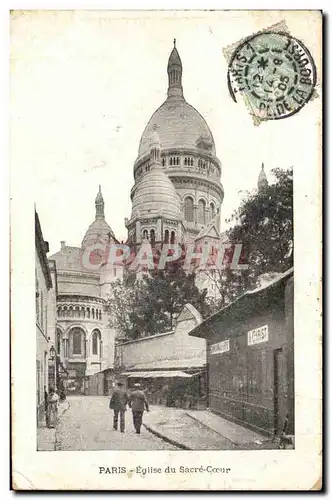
(169, 291)
(151, 304)
(120, 306)
(264, 225)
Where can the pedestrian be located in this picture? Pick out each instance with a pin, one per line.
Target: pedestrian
(137, 403)
(52, 408)
(118, 403)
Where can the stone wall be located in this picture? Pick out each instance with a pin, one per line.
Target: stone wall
(167, 347)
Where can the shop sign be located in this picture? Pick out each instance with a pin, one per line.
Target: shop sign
(258, 335)
(220, 347)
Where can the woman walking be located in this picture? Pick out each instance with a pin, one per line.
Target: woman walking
(52, 408)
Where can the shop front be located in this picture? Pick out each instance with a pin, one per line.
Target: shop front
(250, 355)
(171, 388)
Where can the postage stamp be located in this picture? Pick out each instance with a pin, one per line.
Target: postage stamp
(276, 74)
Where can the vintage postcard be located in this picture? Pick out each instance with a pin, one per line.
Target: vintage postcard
(166, 250)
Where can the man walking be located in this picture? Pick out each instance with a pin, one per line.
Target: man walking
(118, 403)
(137, 402)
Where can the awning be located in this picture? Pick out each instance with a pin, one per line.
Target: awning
(165, 374)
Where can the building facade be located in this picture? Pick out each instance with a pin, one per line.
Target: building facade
(177, 192)
(250, 356)
(83, 340)
(45, 291)
(176, 198)
(170, 366)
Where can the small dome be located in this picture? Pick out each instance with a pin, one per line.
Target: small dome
(98, 232)
(155, 194)
(178, 125)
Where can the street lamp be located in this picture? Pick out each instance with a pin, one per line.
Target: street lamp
(52, 353)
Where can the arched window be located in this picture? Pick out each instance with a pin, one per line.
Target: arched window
(191, 161)
(93, 313)
(212, 211)
(166, 236)
(177, 160)
(185, 161)
(172, 237)
(95, 343)
(83, 312)
(152, 237)
(189, 209)
(145, 234)
(171, 161)
(163, 162)
(201, 211)
(88, 312)
(99, 315)
(77, 340)
(96, 339)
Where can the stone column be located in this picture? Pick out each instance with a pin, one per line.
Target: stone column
(195, 213)
(179, 232)
(159, 236)
(138, 232)
(207, 214)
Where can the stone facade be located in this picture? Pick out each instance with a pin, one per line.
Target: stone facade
(171, 350)
(84, 341)
(46, 286)
(187, 156)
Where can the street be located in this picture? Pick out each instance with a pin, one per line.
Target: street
(88, 425)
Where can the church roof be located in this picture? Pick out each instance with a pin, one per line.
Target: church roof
(209, 231)
(155, 193)
(69, 259)
(99, 231)
(177, 122)
(179, 125)
(174, 58)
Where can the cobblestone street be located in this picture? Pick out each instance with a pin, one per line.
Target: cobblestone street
(87, 425)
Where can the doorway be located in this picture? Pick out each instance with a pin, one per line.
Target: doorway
(278, 380)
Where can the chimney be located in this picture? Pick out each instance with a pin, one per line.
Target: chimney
(63, 245)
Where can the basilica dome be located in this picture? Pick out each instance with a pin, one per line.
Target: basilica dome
(178, 125)
(98, 232)
(155, 193)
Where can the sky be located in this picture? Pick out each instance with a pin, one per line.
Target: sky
(85, 83)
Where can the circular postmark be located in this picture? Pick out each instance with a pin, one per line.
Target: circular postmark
(275, 73)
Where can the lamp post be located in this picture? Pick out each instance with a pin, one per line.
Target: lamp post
(52, 353)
